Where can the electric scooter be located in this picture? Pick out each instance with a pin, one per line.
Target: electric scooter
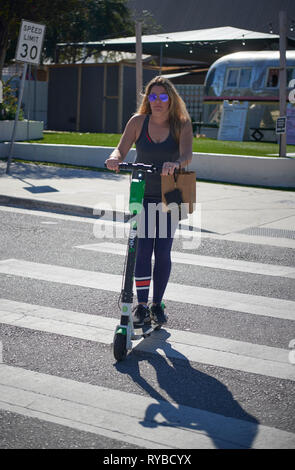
(124, 332)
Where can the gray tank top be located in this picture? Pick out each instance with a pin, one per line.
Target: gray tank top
(150, 152)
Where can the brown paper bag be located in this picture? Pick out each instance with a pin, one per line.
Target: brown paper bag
(179, 188)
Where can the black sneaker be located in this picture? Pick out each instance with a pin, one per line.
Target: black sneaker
(141, 316)
(157, 314)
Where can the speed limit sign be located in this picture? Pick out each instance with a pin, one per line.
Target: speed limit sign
(30, 41)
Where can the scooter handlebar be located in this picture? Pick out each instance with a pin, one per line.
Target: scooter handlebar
(142, 167)
(138, 166)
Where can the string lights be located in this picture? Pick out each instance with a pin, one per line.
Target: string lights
(215, 45)
(192, 47)
(291, 27)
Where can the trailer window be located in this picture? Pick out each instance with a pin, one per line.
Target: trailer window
(245, 77)
(290, 74)
(272, 78)
(232, 78)
(238, 78)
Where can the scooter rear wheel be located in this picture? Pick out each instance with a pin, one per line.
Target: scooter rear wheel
(119, 347)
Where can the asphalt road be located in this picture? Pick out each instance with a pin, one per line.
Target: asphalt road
(214, 390)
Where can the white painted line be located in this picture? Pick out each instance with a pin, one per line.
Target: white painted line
(61, 322)
(205, 349)
(206, 261)
(234, 237)
(136, 419)
(235, 301)
(256, 240)
(242, 358)
(49, 223)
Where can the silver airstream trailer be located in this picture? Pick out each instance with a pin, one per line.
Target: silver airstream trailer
(252, 77)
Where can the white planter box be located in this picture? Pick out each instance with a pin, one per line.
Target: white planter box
(26, 130)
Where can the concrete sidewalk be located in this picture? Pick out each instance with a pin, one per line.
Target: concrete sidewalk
(225, 209)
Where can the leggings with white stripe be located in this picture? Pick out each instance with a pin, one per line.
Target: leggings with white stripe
(156, 236)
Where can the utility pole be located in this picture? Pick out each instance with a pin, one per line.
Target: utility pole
(138, 27)
(283, 77)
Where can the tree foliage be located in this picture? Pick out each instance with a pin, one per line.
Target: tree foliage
(65, 20)
(12, 12)
(9, 105)
(95, 20)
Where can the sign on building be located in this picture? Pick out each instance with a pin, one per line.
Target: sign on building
(233, 120)
(30, 41)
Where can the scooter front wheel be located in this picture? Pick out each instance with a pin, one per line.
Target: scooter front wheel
(120, 347)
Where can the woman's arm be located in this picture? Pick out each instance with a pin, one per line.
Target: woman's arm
(128, 138)
(185, 151)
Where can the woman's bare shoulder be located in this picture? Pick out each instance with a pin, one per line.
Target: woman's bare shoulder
(137, 121)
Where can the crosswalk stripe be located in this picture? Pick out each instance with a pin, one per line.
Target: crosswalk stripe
(129, 417)
(205, 349)
(230, 237)
(235, 301)
(62, 322)
(206, 261)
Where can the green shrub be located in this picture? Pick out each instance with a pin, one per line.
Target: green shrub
(9, 106)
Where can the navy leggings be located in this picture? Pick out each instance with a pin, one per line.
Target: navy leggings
(151, 240)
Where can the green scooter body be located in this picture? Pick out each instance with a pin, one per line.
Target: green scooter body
(136, 196)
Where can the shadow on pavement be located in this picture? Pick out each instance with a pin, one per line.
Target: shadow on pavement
(196, 401)
(42, 171)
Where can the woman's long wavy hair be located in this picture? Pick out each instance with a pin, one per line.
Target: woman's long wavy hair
(178, 114)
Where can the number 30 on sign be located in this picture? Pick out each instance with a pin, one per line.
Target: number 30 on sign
(30, 41)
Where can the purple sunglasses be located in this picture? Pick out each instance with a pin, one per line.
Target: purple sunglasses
(163, 97)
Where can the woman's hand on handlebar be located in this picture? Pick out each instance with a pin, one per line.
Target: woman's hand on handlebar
(169, 167)
(113, 164)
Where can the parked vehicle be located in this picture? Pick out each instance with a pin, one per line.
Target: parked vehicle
(248, 76)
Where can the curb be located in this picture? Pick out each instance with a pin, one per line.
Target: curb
(62, 208)
(76, 211)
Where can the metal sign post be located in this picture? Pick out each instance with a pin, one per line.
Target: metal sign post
(28, 51)
(20, 97)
